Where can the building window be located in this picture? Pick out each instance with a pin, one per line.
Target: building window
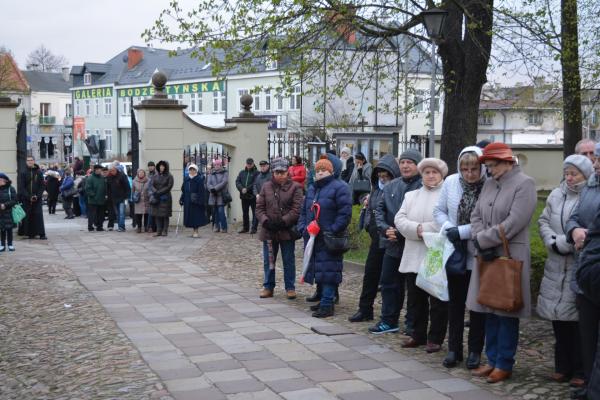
(241, 92)
(295, 98)
(419, 100)
(108, 143)
(126, 106)
(88, 110)
(486, 118)
(180, 99)
(77, 108)
(196, 103)
(594, 115)
(45, 109)
(256, 103)
(270, 63)
(219, 102)
(279, 99)
(268, 100)
(87, 78)
(97, 107)
(108, 106)
(68, 110)
(535, 118)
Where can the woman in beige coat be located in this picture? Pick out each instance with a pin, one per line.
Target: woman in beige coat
(508, 199)
(139, 194)
(414, 218)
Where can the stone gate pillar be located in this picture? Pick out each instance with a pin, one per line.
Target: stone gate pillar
(8, 138)
(160, 122)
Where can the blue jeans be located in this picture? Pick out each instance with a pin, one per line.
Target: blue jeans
(289, 264)
(328, 294)
(501, 340)
(221, 218)
(120, 213)
(82, 206)
(392, 290)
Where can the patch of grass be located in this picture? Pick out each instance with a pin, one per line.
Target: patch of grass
(360, 241)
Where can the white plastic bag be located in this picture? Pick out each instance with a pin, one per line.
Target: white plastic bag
(432, 274)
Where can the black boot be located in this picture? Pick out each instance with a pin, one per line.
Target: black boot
(361, 316)
(473, 360)
(315, 307)
(452, 359)
(316, 296)
(323, 312)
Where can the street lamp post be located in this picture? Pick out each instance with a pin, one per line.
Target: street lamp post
(433, 20)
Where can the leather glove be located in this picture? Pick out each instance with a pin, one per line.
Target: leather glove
(270, 225)
(453, 235)
(180, 202)
(486, 254)
(213, 190)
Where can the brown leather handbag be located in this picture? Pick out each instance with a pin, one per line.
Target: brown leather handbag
(500, 281)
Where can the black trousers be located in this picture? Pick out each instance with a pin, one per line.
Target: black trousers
(567, 349)
(76, 207)
(138, 220)
(6, 237)
(458, 287)
(33, 223)
(162, 224)
(52, 200)
(371, 277)
(426, 309)
(112, 215)
(95, 216)
(589, 317)
(68, 206)
(247, 205)
(392, 290)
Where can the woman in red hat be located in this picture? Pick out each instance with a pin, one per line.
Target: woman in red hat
(508, 199)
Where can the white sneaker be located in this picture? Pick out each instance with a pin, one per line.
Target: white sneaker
(11, 248)
(1, 248)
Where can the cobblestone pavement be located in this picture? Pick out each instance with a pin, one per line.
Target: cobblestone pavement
(190, 309)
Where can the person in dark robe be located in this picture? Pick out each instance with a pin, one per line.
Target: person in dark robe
(52, 186)
(193, 195)
(31, 187)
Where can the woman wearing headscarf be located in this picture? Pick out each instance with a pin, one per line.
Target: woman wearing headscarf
(360, 179)
(347, 164)
(335, 202)
(508, 199)
(453, 213)
(193, 195)
(216, 184)
(556, 301)
(139, 195)
(413, 219)
(161, 207)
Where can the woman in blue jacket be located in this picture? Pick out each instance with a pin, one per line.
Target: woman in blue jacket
(66, 191)
(335, 201)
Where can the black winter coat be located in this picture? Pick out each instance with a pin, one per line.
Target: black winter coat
(118, 187)
(52, 186)
(194, 197)
(8, 197)
(245, 180)
(31, 183)
(386, 163)
(162, 183)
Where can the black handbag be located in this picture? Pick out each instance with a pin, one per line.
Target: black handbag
(457, 262)
(227, 197)
(153, 200)
(72, 191)
(361, 186)
(136, 197)
(337, 243)
(194, 198)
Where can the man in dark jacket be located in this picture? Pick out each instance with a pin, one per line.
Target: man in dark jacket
(278, 209)
(151, 175)
(386, 170)
(263, 176)
(31, 188)
(245, 184)
(95, 191)
(391, 282)
(119, 192)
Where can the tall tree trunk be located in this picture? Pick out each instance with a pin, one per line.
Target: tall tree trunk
(569, 59)
(465, 53)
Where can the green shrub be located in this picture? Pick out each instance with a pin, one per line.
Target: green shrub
(359, 241)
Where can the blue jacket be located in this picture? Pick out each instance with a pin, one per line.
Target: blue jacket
(67, 184)
(335, 199)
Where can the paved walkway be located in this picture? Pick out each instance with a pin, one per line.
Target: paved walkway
(208, 338)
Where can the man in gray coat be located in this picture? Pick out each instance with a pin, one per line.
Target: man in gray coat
(391, 281)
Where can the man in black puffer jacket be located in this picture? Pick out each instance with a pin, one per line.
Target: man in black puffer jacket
(245, 184)
(391, 282)
(119, 192)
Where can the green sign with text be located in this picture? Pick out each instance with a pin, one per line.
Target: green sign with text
(179, 88)
(93, 93)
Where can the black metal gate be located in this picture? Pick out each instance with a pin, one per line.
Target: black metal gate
(203, 156)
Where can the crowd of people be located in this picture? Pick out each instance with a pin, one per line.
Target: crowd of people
(483, 211)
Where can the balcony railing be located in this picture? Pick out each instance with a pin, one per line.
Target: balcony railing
(47, 120)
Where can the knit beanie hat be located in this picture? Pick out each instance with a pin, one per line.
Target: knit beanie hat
(411, 154)
(279, 164)
(324, 164)
(436, 163)
(582, 163)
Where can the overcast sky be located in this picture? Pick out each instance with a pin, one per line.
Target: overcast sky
(82, 31)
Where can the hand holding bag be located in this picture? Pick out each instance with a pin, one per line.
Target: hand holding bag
(457, 262)
(227, 197)
(17, 212)
(500, 281)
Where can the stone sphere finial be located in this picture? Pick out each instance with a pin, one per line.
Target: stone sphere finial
(159, 81)
(246, 101)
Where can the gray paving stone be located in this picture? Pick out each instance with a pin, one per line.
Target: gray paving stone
(218, 365)
(425, 394)
(255, 355)
(342, 355)
(187, 384)
(204, 394)
(227, 375)
(478, 394)
(451, 385)
(348, 386)
(388, 356)
(268, 375)
(179, 373)
(200, 350)
(377, 374)
(288, 385)
(311, 365)
(326, 375)
(238, 386)
(266, 394)
(369, 395)
(267, 363)
(308, 394)
(398, 384)
(427, 375)
(264, 335)
(409, 365)
(359, 364)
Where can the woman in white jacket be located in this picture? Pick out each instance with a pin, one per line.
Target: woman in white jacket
(414, 218)
(556, 301)
(453, 213)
